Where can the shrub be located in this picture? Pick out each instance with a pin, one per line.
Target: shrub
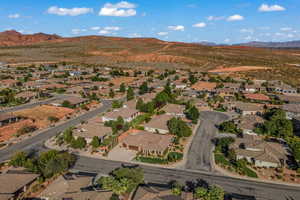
(174, 156)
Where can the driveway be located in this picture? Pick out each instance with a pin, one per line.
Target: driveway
(121, 154)
(199, 156)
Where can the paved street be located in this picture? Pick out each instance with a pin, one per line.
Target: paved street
(262, 191)
(31, 105)
(200, 152)
(37, 141)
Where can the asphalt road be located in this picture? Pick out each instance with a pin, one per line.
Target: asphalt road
(200, 152)
(261, 191)
(36, 142)
(31, 105)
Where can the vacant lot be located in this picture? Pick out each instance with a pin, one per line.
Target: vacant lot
(125, 80)
(40, 114)
(9, 131)
(238, 69)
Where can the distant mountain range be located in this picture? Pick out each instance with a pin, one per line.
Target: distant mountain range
(289, 44)
(14, 38)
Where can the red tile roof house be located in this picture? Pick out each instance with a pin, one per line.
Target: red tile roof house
(203, 86)
(254, 88)
(257, 97)
(158, 124)
(8, 83)
(174, 109)
(126, 113)
(147, 143)
(262, 154)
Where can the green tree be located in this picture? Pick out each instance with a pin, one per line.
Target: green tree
(66, 104)
(176, 189)
(130, 94)
(139, 104)
(193, 114)
(200, 192)
(79, 143)
(111, 93)
(122, 88)
(117, 104)
(215, 193)
(68, 135)
(179, 128)
(143, 89)
(95, 142)
(19, 159)
(192, 79)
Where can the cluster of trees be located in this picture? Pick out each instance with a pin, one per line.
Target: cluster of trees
(118, 72)
(118, 125)
(8, 97)
(143, 89)
(179, 128)
(130, 94)
(276, 124)
(203, 192)
(117, 104)
(47, 164)
(192, 113)
(68, 138)
(229, 127)
(122, 181)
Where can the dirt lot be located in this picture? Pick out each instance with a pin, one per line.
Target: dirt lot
(237, 69)
(8, 131)
(40, 114)
(125, 80)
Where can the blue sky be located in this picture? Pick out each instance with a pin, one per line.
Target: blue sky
(222, 21)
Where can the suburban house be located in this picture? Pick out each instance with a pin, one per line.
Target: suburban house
(203, 86)
(254, 88)
(280, 87)
(174, 109)
(178, 84)
(234, 87)
(248, 108)
(27, 95)
(126, 113)
(158, 124)
(130, 104)
(14, 182)
(148, 143)
(248, 123)
(292, 110)
(289, 98)
(73, 186)
(259, 152)
(74, 101)
(9, 83)
(92, 128)
(257, 97)
(8, 119)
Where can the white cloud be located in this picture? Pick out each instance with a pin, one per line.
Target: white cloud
(14, 16)
(270, 8)
(68, 11)
(227, 40)
(235, 18)
(162, 33)
(112, 28)
(248, 38)
(135, 35)
(286, 29)
(200, 25)
(176, 28)
(247, 30)
(215, 18)
(76, 31)
(95, 28)
(121, 9)
(104, 32)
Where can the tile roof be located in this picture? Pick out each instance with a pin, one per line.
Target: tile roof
(257, 96)
(149, 141)
(159, 122)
